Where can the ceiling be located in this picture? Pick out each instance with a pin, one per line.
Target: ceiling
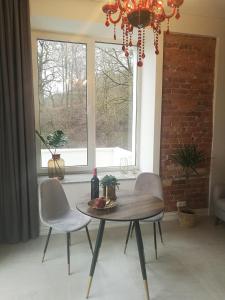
(65, 17)
(207, 8)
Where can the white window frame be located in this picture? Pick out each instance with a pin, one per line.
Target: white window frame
(91, 113)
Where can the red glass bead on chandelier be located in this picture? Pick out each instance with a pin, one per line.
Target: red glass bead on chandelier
(140, 14)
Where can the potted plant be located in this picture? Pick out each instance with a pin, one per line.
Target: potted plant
(188, 157)
(109, 184)
(56, 165)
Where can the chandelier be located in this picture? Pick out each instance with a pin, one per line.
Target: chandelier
(140, 14)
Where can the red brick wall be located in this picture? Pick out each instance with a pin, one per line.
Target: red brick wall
(187, 110)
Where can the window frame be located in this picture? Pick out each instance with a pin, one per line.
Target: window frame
(91, 101)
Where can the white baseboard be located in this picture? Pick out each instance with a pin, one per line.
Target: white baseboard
(169, 216)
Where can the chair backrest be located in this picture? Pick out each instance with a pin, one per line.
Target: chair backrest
(54, 203)
(149, 183)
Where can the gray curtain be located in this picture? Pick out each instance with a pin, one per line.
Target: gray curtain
(19, 219)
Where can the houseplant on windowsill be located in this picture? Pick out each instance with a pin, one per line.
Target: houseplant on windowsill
(111, 182)
(57, 139)
(188, 157)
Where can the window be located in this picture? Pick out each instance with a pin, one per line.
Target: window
(62, 90)
(115, 81)
(88, 90)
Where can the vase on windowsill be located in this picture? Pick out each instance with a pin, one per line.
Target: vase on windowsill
(56, 167)
(55, 140)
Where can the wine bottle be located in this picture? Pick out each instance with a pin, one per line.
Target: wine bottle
(94, 185)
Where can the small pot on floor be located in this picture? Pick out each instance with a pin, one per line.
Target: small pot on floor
(187, 217)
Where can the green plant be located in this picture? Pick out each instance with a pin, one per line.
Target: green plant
(109, 180)
(188, 157)
(53, 140)
(56, 139)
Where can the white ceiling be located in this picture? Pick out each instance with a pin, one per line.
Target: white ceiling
(54, 22)
(207, 8)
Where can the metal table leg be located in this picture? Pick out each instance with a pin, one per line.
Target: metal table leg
(96, 253)
(89, 239)
(141, 256)
(128, 236)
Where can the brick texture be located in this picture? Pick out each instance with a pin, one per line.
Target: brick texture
(187, 111)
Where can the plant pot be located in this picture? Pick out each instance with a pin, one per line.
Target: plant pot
(111, 192)
(187, 217)
(56, 167)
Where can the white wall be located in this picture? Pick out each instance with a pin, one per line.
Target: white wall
(147, 109)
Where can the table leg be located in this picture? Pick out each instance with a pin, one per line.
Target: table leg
(141, 255)
(128, 236)
(95, 255)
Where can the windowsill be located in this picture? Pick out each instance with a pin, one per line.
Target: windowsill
(86, 177)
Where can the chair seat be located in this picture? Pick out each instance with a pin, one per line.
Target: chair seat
(73, 220)
(155, 218)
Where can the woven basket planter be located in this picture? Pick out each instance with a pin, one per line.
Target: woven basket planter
(187, 218)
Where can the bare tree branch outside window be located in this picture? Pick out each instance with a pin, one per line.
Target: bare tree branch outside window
(62, 83)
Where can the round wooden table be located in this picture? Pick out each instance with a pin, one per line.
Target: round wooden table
(130, 207)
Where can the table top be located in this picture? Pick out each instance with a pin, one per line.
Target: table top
(130, 207)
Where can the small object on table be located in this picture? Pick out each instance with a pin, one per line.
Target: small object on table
(99, 202)
(94, 185)
(111, 182)
(102, 203)
(106, 192)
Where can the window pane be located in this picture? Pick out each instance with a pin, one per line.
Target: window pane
(62, 80)
(115, 105)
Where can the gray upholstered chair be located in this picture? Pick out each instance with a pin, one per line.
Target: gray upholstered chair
(56, 213)
(219, 202)
(148, 183)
